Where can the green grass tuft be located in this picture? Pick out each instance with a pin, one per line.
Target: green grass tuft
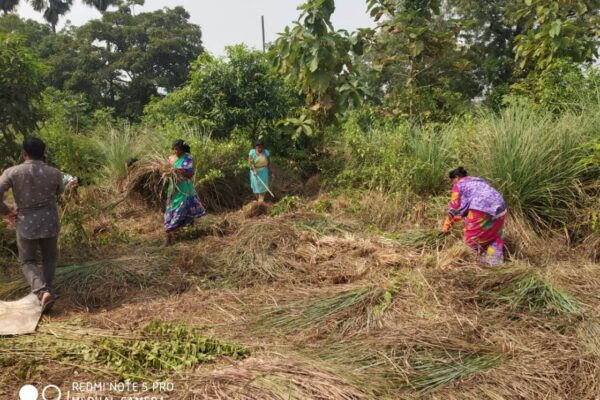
(525, 290)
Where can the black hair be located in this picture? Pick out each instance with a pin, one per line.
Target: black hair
(131, 161)
(259, 143)
(459, 172)
(34, 148)
(179, 144)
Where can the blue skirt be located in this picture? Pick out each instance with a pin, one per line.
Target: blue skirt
(257, 186)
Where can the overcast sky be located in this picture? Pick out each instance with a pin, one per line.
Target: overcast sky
(228, 22)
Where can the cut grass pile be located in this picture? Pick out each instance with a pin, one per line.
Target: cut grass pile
(157, 350)
(343, 312)
(418, 238)
(103, 283)
(273, 376)
(525, 290)
(396, 366)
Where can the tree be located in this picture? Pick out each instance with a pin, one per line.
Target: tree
(556, 29)
(8, 5)
(101, 5)
(319, 60)
(488, 30)
(123, 60)
(21, 85)
(425, 72)
(240, 93)
(53, 9)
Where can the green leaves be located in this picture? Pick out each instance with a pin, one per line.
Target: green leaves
(21, 85)
(554, 30)
(318, 60)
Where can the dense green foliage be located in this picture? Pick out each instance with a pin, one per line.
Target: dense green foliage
(238, 94)
(21, 84)
(319, 60)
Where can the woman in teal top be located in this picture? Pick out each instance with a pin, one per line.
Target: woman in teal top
(183, 204)
(259, 160)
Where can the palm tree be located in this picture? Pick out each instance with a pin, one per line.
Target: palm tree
(8, 5)
(100, 5)
(53, 9)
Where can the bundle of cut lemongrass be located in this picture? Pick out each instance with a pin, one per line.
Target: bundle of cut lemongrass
(150, 178)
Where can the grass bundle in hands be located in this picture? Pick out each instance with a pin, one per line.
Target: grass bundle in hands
(150, 178)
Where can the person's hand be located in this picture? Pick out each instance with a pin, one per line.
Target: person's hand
(447, 225)
(11, 217)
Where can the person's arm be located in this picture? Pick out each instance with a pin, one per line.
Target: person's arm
(187, 168)
(9, 213)
(454, 209)
(251, 164)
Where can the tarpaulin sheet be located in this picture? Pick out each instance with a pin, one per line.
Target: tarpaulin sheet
(20, 317)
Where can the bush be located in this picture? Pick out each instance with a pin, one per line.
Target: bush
(392, 157)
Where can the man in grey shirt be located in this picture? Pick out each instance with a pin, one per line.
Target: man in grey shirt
(36, 187)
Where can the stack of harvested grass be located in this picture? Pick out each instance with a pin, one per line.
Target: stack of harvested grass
(209, 225)
(275, 377)
(397, 366)
(256, 209)
(257, 253)
(321, 224)
(225, 193)
(524, 289)
(346, 258)
(150, 179)
(154, 351)
(342, 312)
(100, 283)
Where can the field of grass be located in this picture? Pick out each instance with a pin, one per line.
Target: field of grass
(303, 301)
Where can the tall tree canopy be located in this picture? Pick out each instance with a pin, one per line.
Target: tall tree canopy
(21, 85)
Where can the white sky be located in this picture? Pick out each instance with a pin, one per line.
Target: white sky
(228, 22)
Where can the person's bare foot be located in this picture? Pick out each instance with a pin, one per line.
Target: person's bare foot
(47, 301)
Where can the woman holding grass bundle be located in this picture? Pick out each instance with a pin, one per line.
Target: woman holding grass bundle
(183, 204)
(259, 160)
(485, 212)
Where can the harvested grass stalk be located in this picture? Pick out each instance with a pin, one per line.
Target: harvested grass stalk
(589, 334)
(322, 224)
(94, 284)
(525, 290)
(397, 366)
(343, 311)
(256, 209)
(154, 351)
(419, 238)
(432, 372)
(274, 377)
(150, 179)
(255, 254)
